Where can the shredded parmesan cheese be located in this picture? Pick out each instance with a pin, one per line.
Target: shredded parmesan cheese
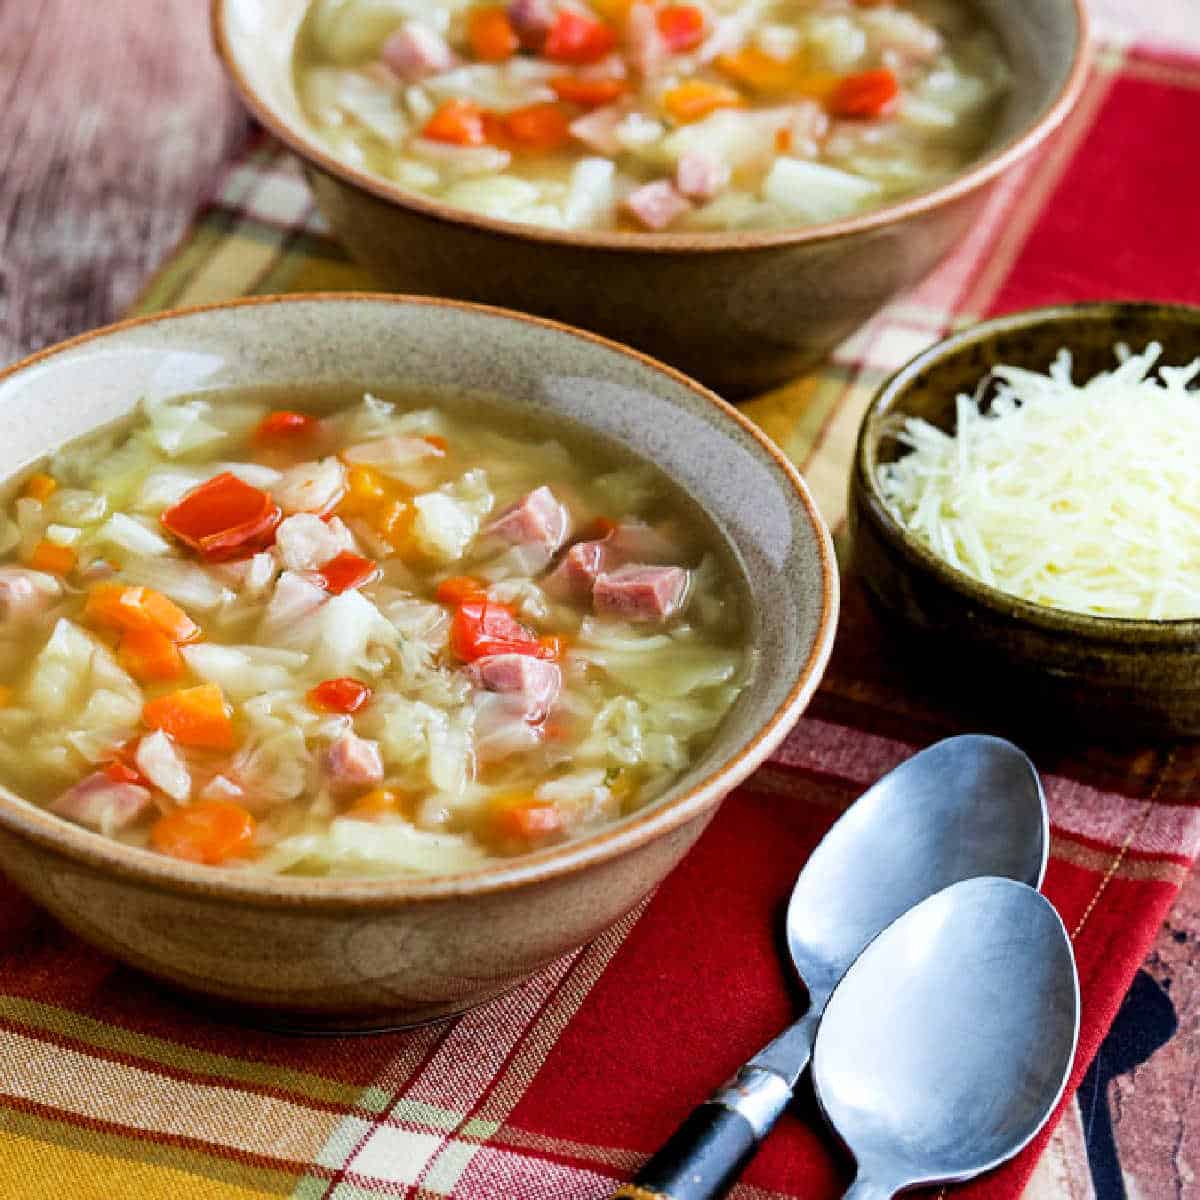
(1082, 498)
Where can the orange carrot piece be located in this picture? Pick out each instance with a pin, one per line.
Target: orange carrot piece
(530, 821)
(138, 608)
(554, 644)
(381, 802)
(769, 76)
(588, 93)
(40, 487)
(209, 831)
(365, 488)
(491, 34)
(538, 127)
(866, 94)
(695, 98)
(459, 122)
(459, 588)
(150, 656)
(52, 558)
(197, 716)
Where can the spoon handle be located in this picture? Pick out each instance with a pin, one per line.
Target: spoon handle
(703, 1157)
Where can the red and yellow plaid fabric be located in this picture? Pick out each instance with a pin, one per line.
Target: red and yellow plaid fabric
(110, 1087)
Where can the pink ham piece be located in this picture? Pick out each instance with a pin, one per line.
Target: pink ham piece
(531, 20)
(25, 593)
(532, 683)
(575, 574)
(415, 52)
(102, 804)
(700, 176)
(537, 519)
(634, 541)
(656, 205)
(353, 761)
(641, 593)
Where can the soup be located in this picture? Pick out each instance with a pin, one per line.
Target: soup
(650, 115)
(352, 635)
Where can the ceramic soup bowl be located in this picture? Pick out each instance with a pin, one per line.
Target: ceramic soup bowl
(740, 311)
(359, 953)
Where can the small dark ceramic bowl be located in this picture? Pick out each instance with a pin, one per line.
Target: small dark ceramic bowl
(354, 953)
(740, 311)
(1095, 674)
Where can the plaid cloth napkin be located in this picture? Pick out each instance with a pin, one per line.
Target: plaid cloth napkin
(110, 1087)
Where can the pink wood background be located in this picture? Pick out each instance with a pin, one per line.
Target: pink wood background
(114, 118)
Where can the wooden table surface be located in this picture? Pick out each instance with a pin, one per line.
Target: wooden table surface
(114, 118)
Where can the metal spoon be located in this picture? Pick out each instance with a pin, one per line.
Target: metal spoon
(948, 1043)
(966, 806)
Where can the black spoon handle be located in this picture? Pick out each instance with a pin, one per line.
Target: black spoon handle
(703, 1157)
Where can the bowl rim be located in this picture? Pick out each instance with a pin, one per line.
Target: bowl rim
(1091, 627)
(29, 821)
(296, 137)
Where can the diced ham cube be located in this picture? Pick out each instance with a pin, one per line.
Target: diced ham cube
(311, 487)
(415, 52)
(159, 761)
(25, 593)
(575, 574)
(102, 804)
(531, 682)
(656, 205)
(353, 761)
(537, 519)
(641, 593)
(700, 175)
(531, 20)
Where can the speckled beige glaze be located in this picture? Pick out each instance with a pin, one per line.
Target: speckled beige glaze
(740, 311)
(351, 953)
(1039, 666)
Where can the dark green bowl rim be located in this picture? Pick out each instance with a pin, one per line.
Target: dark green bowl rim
(924, 560)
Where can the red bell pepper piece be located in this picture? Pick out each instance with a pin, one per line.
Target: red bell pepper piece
(481, 627)
(283, 424)
(223, 518)
(339, 695)
(575, 38)
(345, 571)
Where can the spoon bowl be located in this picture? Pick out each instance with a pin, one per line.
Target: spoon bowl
(948, 1043)
(965, 806)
